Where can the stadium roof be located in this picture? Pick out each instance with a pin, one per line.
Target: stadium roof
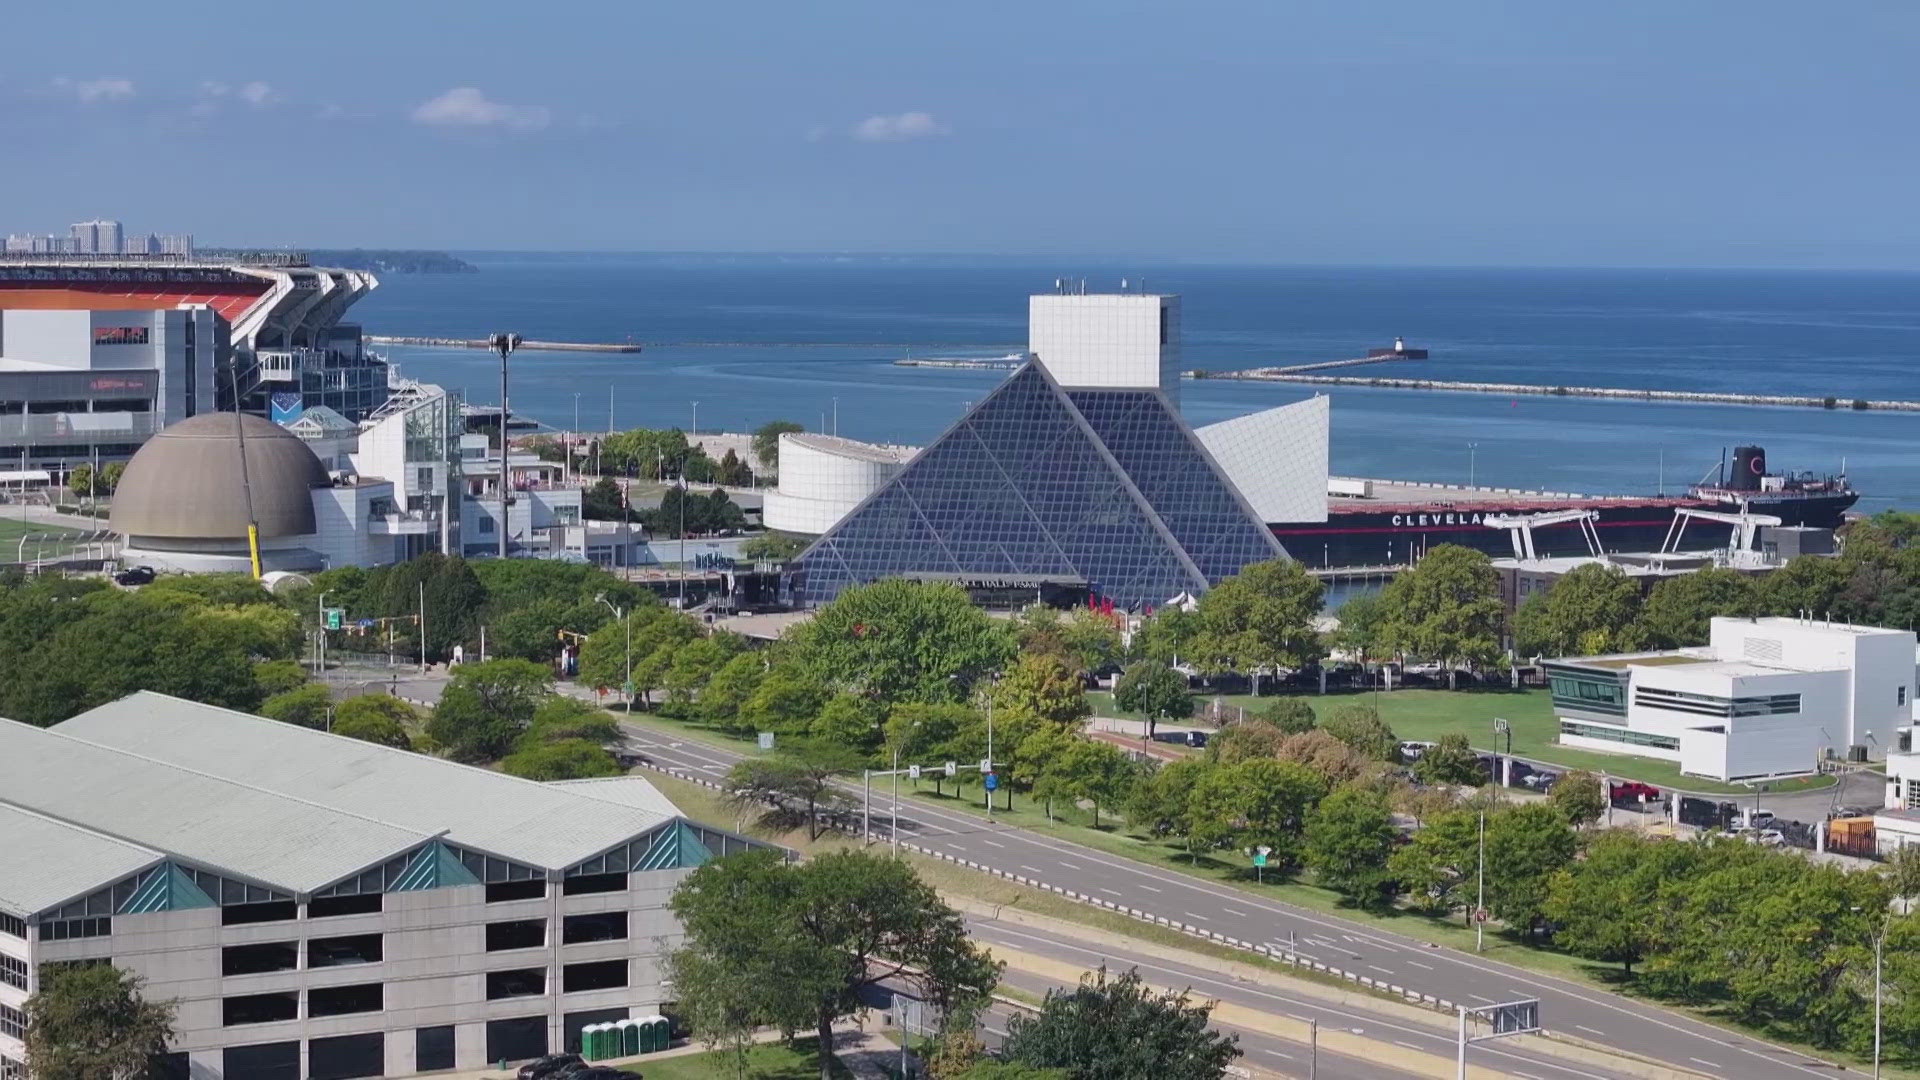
(542, 825)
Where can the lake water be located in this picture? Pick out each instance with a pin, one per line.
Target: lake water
(758, 338)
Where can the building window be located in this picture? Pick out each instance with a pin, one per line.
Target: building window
(266, 911)
(594, 883)
(601, 926)
(262, 1061)
(1619, 735)
(433, 1048)
(1901, 697)
(1579, 690)
(263, 957)
(13, 926)
(517, 1039)
(500, 892)
(486, 526)
(598, 975)
(259, 1008)
(68, 929)
(1913, 795)
(341, 1057)
(423, 477)
(327, 907)
(13, 1022)
(341, 1000)
(518, 934)
(1653, 697)
(13, 971)
(520, 982)
(341, 951)
(11, 1069)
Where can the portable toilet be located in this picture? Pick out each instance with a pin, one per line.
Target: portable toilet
(593, 1042)
(629, 1034)
(658, 1033)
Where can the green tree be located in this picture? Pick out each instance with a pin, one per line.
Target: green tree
(1167, 635)
(776, 547)
(1447, 609)
(786, 701)
(1119, 1029)
(1450, 760)
(1592, 609)
(1009, 1070)
(92, 1022)
(562, 717)
(1526, 846)
(562, 759)
(1098, 772)
(695, 663)
(1608, 906)
(603, 501)
(1360, 727)
(1042, 686)
(1677, 610)
(1292, 715)
(1580, 797)
(1256, 802)
(1903, 871)
(278, 676)
(1154, 690)
(1440, 860)
(798, 780)
(486, 707)
(1362, 628)
(1247, 739)
(898, 640)
(1809, 583)
(1160, 800)
(848, 720)
(307, 706)
(1348, 841)
(766, 443)
(376, 718)
(1261, 617)
(729, 690)
(731, 471)
(795, 945)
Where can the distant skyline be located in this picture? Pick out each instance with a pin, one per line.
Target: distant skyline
(1759, 134)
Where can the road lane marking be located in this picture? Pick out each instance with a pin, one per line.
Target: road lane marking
(1705, 1062)
(1275, 1053)
(992, 843)
(1418, 964)
(1380, 969)
(1029, 869)
(1068, 865)
(1595, 1031)
(1234, 911)
(1109, 892)
(1202, 918)
(1149, 888)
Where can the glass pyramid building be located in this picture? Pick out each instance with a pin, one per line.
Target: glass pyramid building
(1102, 487)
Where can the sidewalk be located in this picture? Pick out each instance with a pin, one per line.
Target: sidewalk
(868, 1055)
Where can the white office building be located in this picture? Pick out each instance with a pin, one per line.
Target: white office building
(1107, 340)
(1765, 697)
(823, 477)
(326, 908)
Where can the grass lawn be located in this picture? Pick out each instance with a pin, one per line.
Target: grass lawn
(1425, 715)
(765, 1061)
(12, 529)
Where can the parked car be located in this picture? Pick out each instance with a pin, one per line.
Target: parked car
(1540, 781)
(134, 575)
(1411, 750)
(551, 1066)
(1632, 791)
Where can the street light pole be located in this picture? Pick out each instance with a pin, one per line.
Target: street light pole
(627, 626)
(1480, 905)
(504, 344)
(1473, 451)
(573, 436)
(1879, 943)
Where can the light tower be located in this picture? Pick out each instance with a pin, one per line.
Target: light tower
(504, 344)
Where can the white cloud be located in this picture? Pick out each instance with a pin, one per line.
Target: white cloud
(467, 107)
(900, 127)
(90, 91)
(258, 94)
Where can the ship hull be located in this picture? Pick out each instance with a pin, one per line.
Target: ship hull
(1394, 536)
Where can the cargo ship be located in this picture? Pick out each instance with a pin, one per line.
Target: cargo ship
(1386, 523)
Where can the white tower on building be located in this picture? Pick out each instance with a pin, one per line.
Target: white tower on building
(1107, 340)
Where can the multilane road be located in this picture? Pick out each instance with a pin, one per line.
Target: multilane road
(1565, 1007)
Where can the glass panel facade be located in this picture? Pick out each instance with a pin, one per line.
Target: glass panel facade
(1108, 487)
(1588, 691)
(1619, 735)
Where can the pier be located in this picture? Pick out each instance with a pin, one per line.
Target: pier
(1618, 393)
(481, 343)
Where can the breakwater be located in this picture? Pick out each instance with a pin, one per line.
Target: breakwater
(481, 343)
(1618, 393)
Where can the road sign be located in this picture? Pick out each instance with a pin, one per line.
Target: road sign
(336, 618)
(993, 781)
(913, 772)
(1479, 914)
(627, 688)
(1260, 856)
(766, 740)
(950, 767)
(986, 765)
(1515, 1018)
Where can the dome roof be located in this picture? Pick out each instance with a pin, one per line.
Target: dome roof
(186, 482)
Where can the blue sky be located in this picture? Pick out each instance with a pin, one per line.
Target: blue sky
(1757, 133)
